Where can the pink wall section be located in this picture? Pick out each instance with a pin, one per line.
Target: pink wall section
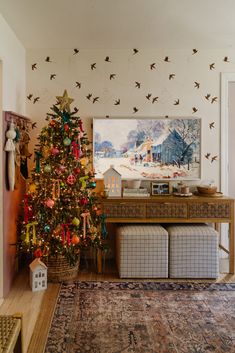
(11, 209)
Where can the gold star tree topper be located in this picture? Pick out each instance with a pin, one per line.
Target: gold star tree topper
(65, 101)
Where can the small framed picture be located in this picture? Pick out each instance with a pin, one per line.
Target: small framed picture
(160, 188)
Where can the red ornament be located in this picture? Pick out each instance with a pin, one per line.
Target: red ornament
(50, 203)
(83, 201)
(66, 127)
(38, 253)
(52, 123)
(77, 170)
(71, 179)
(55, 151)
(75, 239)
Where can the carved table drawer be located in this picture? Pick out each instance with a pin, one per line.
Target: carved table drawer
(166, 210)
(209, 210)
(124, 210)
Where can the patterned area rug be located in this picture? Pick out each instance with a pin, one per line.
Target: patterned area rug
(150, 317)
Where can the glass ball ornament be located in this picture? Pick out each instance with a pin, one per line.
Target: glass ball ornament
(75, 239)
(47, 228)
(92, 185)
(47, 168)
(83, 201)
(66, 127)
(76, 221)
(77, 170)
(71, 179)
(52, 123)
(67, 141)
(55, 151)
(50, 203)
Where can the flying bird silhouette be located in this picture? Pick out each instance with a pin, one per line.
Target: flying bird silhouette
(177, 102)
(212, 125)
(214, 158)
(207, 96)
(226, 59)
(194, 110)
(78, 84)
(75, 51)
(137, 84)
(196, 84)
(96, 99)
(214, 99)
(34, 66)
(112, 76)
(194, 51)
(212, 66)
(207, 155)
(48, 60)
(166, 59)
(52, 76)
(36, 99)
(155, 99)
(30, 96)
(93, 66)
(34, 125)
(135, 51)
(117, 102)
(89, 96)
(171, 76)
(107, 59)
(153, 66)
(135, 110)
(76, 109)
(148, 96)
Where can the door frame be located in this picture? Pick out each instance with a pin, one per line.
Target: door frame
(224, 120)
(1, 184)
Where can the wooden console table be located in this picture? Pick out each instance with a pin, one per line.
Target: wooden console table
(175, 209)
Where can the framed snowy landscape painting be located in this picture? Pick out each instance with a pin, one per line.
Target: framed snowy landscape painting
(156, 148)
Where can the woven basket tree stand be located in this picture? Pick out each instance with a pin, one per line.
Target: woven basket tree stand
(59, 269)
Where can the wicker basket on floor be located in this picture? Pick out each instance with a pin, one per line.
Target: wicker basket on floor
(59, 269)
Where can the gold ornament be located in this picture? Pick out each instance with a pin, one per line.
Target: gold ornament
(32, 188)
(65, 101)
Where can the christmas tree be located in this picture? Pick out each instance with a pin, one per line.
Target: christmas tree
(61, 212)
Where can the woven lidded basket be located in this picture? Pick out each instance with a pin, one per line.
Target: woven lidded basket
(59, 269)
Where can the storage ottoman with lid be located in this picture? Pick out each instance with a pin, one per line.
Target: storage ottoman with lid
(142, 251)
(193, 251)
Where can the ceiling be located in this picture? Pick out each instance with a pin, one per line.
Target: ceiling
(122, 24)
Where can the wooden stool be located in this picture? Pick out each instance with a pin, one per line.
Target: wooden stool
(11, 333)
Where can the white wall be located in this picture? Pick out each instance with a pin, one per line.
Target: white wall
(187, 67)
(12, 80)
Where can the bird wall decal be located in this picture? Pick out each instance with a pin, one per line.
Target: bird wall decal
(117, 102)
(76, 109)
(34, 66)
(194, 109)
(212, 66)
(135, 51)
(89, 96)
(29, 96)
(153, 66)
(171, 76)
(214, 99)
(78, 84)
(36, 99)
(177, 102)
(214, 158)
(135, 110)
(107, 59)
(34, 125)
(208, 96)
(137, 84)
(52, 76)
(196, 84)
(48, 60)
(194, 51)
(166, 59)
(226, 60)
(75, 51)
(212, 125)
(155, 99)
(148, 96)
(112, 76)
(93, 66)
(207, 155)
(96, 99)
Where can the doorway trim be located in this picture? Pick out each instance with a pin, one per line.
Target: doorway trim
(1, 186)
(224, 165)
